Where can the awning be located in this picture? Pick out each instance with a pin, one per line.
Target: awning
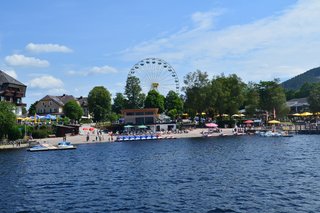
(274, 122)
(211, 125)
(248, 122)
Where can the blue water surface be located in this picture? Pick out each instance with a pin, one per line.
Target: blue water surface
(225, 174)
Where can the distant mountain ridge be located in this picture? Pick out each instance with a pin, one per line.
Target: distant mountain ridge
(310, 76)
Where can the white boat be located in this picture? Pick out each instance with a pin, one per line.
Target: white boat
(42, 147)
(48, 147)
(65, 145)
(273, 134)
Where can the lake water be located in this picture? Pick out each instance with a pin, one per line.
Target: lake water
(226, 174)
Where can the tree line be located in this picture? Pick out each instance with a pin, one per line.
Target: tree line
(213, 96)
(216, 96)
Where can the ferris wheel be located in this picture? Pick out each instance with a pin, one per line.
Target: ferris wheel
(157, 74)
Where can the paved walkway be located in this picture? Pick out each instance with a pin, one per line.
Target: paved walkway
(82, 139)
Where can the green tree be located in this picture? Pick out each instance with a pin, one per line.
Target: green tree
(196, 92)
(272, 97)
(7, 118)
(112, 117)
(305, 89)
(173, 113)
(252, 99)
(154, 100)
(14, 133)
(291, 94)
(173, 101)
(314, 99)
(99, 103)
(134, 93)
(119, 103)
(73, 110)
(228, 94)
(32, 109)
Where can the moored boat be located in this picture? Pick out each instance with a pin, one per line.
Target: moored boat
(64, 145)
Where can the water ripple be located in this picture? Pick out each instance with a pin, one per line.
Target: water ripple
(241, 174)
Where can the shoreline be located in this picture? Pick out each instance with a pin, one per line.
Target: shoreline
(106, 138)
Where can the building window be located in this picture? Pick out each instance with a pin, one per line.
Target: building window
(149, 120)
(140, 120)
(139, 113)
(149, 113)
(130, 113)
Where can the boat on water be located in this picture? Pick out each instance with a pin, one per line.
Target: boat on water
(64, 145)
(122, 138)
(273, 134)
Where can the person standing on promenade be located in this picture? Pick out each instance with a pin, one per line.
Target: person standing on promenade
(88, 137)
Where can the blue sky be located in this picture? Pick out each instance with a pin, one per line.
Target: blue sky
(69, 46)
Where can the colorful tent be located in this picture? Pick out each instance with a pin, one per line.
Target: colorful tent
(306, 114)
(248, 121)
(238, 115)
(274, 122)
(211, 125)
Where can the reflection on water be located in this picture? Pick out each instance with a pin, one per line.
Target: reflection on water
(227, 174)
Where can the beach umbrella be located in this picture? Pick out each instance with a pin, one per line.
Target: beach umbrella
(273, 122)
(296, 114)
(248, 122)
(91, 129)
(48, 116)
(211, 125)
(28, 119)
(306, 114)
(238, 115)
(128, 126)
(42, 117)
(142, 127)
(85, 128)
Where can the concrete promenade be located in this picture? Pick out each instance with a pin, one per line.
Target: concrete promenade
(82, 138)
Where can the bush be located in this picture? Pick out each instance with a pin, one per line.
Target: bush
(14, 133)
(86, 121)
(40, 133)
(226, 123)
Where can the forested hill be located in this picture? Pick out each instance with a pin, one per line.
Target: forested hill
(309, 76)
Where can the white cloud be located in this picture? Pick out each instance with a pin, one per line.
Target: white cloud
(94, 70)
(46, 82)
(204, 20)
(47, 48)
(21, 60)
(288, 43)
